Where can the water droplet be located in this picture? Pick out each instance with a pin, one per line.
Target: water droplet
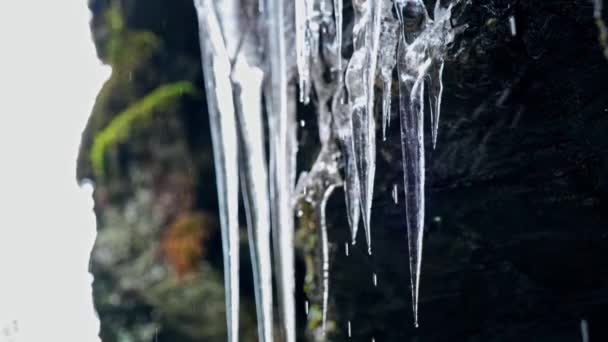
(395, 194)
(375, 279)
(302, 123)
(306, 307)
(349, 330)
(512, 26)
(585, 330)
(346, 248)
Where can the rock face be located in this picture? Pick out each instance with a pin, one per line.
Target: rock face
(517, 232)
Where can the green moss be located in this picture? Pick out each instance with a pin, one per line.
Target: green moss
(118, 129)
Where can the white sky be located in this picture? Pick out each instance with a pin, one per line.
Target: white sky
(49, 76)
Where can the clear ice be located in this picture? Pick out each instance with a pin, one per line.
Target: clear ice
(282, 164)
(421, 54)
(362, 66)
(247, 53)
(222, 119)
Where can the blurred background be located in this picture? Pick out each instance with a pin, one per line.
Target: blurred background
(49, 78)
(517, 231)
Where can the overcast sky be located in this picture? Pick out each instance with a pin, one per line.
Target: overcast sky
(49, 76)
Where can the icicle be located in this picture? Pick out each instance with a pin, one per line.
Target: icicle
(338, 8)
(216, 65)
(343, 126)
(282, 125)
(247, 78)
(303, 11)
(362, 66)
(411, 92)
(315, 188)
(386, 62)
(435, 86)
(247, 81)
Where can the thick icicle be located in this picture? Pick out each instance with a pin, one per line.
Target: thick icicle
(247, 80)
(362, 66)
(411, 92)
(421, 54)
(281, 121)
(239, 19)
(216, 65)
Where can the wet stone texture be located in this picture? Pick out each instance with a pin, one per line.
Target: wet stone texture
(516, 230)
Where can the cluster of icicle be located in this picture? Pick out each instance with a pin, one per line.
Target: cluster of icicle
(247, 52)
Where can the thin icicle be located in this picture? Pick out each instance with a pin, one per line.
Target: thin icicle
(216, 65)
(338, 9)
(435, 86)
(386, 62)
(315, 187)
(343, 126)
(281, 121)
(362, 66)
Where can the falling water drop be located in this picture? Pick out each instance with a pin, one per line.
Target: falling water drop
(512, 26)
(349, 330)
(585, 330)
(395, 194)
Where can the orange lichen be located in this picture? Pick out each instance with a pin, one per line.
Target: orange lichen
(182, 244)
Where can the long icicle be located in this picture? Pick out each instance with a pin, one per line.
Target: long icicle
(216, 66)
(247, 81)
(343, 127)
(368, 162)
(281, 121)
(411, 94)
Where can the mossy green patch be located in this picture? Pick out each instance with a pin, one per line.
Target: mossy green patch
(119, 128)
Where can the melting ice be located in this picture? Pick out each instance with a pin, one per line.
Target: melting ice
(248, 86)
